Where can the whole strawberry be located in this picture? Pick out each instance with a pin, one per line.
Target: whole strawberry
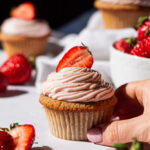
(17, 69)
(143, 31)
(125, 45)
(24, 11)
(3, 83)
(143, 27)
(6, 141)
(142, 48)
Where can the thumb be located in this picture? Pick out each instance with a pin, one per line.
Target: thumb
(119, 131)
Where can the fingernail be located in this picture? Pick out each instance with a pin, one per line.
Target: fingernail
(95, 135)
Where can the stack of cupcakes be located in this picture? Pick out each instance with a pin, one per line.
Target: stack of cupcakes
(23, 33)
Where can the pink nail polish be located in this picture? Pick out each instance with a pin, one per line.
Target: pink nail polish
(95, 135)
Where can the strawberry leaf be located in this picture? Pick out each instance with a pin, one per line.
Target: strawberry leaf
(131, 41)
(147, 32)
(32, 60)
(120, 146)
(140, 21)
(12, 9)
(4, 129)
(136, 145)
(87, 48)
(13, 125)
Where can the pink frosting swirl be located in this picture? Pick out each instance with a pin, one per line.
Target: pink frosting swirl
(75, 84)
(29, 28)
(129, 2)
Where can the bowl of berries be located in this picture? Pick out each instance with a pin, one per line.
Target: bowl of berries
(130, 57)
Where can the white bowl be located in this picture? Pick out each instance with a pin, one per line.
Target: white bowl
(126, 68)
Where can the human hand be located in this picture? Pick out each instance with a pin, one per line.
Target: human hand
(134, 107)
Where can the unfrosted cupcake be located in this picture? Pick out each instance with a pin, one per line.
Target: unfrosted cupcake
(75, 97)
(22, 33)
(122, 13)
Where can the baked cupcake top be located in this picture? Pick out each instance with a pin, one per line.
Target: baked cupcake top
(145, 3)
(75, 84)
(28, 28)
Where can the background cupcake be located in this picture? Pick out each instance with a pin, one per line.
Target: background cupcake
(122, 13)
(75, 98)
(22, 33)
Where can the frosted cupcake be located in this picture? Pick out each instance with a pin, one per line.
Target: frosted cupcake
(122, 13)
(76, 98)
(22, 33)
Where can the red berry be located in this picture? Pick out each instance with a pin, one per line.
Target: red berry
(24, 11)
(3, 83)
(78, 56)
(142, 31)
(123, 46)
(17, 69)
(6, 141)
(142, 48)
(23, 136)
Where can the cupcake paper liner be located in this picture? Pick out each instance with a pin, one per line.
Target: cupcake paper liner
(117, 16)
(26, 46)
(71, 121)
(121, 19)
(74, 125)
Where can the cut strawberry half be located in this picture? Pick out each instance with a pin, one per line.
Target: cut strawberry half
(24, 11)
(23, 136)
(78, 56)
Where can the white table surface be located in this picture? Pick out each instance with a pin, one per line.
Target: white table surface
(21, 104)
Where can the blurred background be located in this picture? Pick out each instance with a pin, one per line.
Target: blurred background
(58, 13)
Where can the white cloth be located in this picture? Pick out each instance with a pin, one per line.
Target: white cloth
(95, 37)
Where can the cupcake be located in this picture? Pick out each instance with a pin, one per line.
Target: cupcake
(76, 98)
(22, 33)
(122, 13)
